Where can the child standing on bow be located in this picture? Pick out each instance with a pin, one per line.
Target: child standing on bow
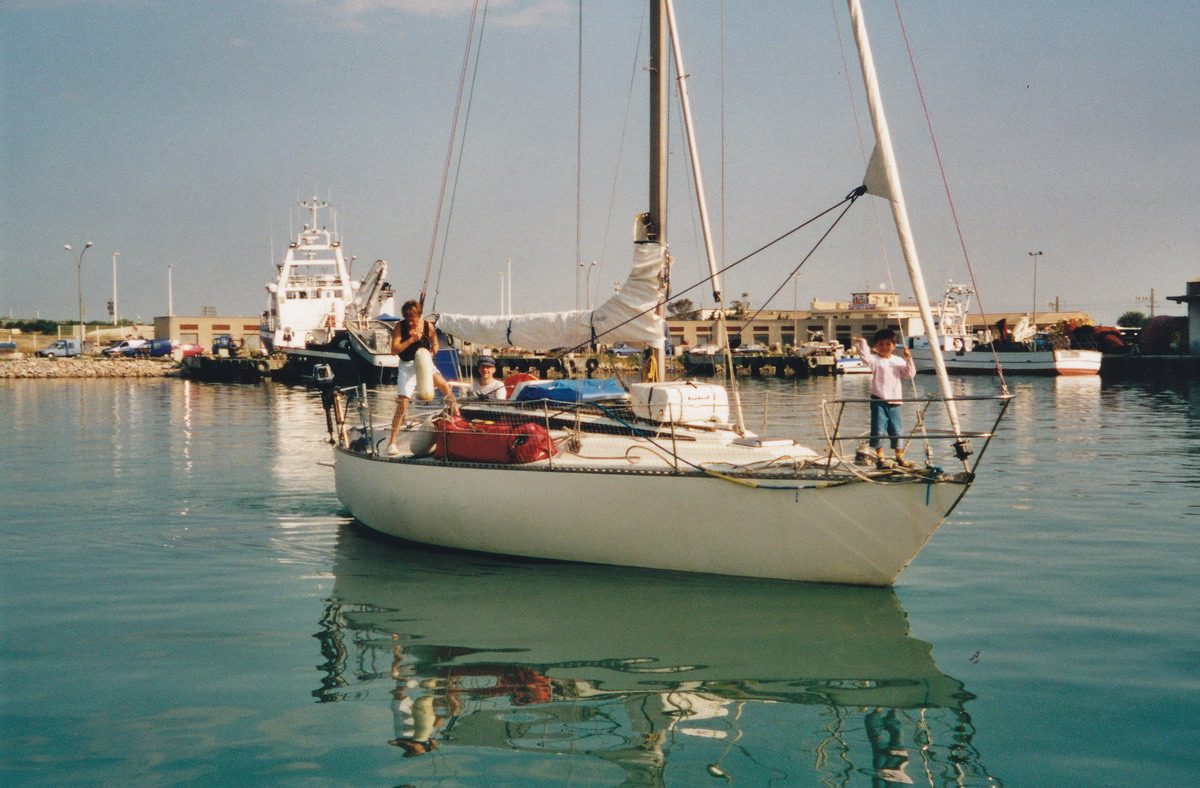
(888, 373)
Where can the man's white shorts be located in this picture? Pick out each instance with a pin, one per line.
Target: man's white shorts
(406, 379)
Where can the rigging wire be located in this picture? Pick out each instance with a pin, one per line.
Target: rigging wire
(462, 146)
(946, 184)
(862, 147)
(849, 198)
(579, 161)
(437, 219)
(612, 198)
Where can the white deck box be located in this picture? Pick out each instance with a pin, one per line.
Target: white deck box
(681, 402)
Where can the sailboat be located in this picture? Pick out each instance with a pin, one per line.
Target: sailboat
(659, 474)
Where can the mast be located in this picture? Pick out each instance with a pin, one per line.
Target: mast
(702, 205)
(883, 165)
(656, 216)
(655, 220)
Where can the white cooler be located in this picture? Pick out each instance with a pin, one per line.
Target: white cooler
(680, 402)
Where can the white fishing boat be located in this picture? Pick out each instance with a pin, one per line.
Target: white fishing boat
(1026, 352)
(822, 356)
(664, 474)
(306, 304)
(852, 365)
(317, 314)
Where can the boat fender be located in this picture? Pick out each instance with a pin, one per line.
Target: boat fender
(423, 364)
(423, 441)
(812, 362)
(263, 367)
(591, 365)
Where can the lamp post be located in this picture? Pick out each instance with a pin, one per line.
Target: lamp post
(508, 284)
(116, 312)
(796, 310)
(79, 280)
(501, 274)
(170, 292)
(587, 284)
(1033, 317)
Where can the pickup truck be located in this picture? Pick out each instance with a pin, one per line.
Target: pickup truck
(62, 348)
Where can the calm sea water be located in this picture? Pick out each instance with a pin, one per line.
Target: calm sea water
(184, 602)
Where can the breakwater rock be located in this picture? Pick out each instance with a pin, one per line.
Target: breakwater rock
(87, 368)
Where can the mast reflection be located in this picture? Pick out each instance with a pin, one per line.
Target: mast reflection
(655, 678)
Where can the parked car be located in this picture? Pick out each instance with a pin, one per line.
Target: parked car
(189, 350)
(621, 349)
(751, 350)
(62, 348)
(154, 348)
(125, 347)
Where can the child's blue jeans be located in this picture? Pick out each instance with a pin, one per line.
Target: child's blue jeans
(885, 416)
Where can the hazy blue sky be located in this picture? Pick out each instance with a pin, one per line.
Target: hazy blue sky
(181, 133)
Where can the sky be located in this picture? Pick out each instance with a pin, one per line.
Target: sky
(182, 134)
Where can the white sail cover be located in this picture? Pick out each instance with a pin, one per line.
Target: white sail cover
(631, 316)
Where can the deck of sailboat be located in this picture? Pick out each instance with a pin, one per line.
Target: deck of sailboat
(610, 439)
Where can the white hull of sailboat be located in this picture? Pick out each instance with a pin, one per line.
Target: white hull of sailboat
(1039, 362)
(859, 533)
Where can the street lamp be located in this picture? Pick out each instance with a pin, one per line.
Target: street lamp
(116, 312)
(508, 284)
(1033, 317)
(796, 310)
(79, 281)
(587, 284)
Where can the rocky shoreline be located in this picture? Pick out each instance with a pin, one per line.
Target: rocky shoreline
(87, 367)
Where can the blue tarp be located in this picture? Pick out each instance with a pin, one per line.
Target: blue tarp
(447, 362)
(587, 390)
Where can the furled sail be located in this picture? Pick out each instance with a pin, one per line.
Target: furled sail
(630, 316)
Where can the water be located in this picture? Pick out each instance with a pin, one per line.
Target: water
(185, 603)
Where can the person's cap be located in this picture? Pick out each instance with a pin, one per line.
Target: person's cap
(486, 361)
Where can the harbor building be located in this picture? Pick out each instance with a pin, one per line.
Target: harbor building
(202, 330)
(1192, 299)
(782, 328)
(864, 314)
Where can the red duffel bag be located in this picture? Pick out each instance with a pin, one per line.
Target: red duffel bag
(465, 441)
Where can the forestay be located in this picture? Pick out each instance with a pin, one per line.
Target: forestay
(632, 315)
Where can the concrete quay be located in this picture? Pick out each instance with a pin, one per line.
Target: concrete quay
(86, 367)
(1134, 365)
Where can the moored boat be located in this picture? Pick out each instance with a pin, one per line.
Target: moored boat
(1026, 353)
(660, 474)
(306, 302)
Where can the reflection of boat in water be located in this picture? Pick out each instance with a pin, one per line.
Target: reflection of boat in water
(652, 672)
